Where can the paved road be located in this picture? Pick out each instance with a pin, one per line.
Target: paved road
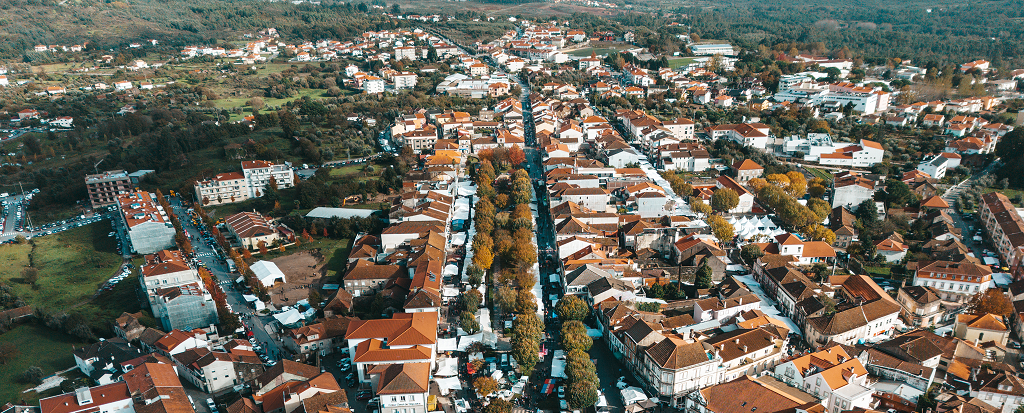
(952, 194)
(209, 254)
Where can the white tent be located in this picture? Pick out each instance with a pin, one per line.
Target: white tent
(447, 344)
(458, 239)
(466, 341)
(632, 395)
(249, 298)
(447, 367)
(267, 272)
(450, 269)
(289, 317)
(447, 384)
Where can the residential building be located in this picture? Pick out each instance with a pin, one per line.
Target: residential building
(222, 189)
(746, 198)
(747, 170)
(981, 328)
(955, 281)
(148, 228)
(922, 306)
(1004, 226)
(754, 135)
(838, 380)
(402, 387)
(258, 175)
(326, 336)
(934, 166)
(217, 371)
(405, 80)
(747, 394)
(405, 338)
(101, 361)
(104, 187)
(863, 310)
(110, 398)
(184, 307)
(850, 189)
(373, 85)
(166, 269)
(251, 229)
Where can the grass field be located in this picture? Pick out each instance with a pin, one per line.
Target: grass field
(228, 103)
(820, 173)
(600, 51)
(677, 62)
(38, 346)
(71, 265)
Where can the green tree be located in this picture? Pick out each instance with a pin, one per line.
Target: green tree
(897, 193)
(649, 306)
(574, 336)
(699, 206)
(498, 405)
(526, 352)
(33, 375)
(471, 300)
(724, 199)
(469, 323)
(750, 253)
(704, 277)
(582, 394)
(474, 275)
(571, 307)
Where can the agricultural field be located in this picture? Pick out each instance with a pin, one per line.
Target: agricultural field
(599, 50)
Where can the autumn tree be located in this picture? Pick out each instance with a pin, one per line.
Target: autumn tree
(469, 323)
(506, 297)
(571, 307)
(699, 207)
(516, 156)
(797, 184)
(991, 301)
(471, 300)
(721, 228)
(818, 232)
(262, 245)
(582, 394)
(8, 352)
(483, 258)
(497, 405)
(484, 386)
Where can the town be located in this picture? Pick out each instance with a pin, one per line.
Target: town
(547, 218)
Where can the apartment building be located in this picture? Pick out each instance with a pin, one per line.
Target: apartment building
(184, 307)
(955, 281)
(831, 375)
(405, 338)
(1004, 226)
(922, 306)
(258, 173)
(864, 310)
(754, 135)
(222, 189)
(149, 230)
(166, 269)
(104, 187)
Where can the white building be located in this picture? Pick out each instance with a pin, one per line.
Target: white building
(935, 166)
(373, 84)
(839, 380)
(258, 174)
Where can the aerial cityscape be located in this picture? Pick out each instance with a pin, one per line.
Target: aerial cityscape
(506, 206)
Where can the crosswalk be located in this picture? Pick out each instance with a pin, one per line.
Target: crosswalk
(205, 254)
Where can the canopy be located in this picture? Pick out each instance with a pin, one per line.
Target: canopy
(450, 292)
(554, 278)
(459, 239)
(250, 298)
(558, 368)
(447, 344)
(466, 341)
(447, 367)
(632, 395)
(289, 317)
(451, 269)
(447, 384)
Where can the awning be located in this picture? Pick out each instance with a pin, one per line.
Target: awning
(447, 344)
(446, 384)
(447, 367)
(250, 298)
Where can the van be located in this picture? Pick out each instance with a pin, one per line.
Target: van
(211, 405)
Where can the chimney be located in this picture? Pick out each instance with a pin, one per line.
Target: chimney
(744, 348)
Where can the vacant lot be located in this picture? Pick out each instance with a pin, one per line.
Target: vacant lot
(677, 62)
(71, 266)
(37, 346)
(600, 50)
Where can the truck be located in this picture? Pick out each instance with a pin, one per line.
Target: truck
(231, 266)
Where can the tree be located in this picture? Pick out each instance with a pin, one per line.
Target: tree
(574, 336)
(526, 352)
(474, 275)
(498, 405)
(469, 323)
(526, 302)
(704, 278)
(255, 102)
(29, 275)
(471, 300)
(506, 297)
(750, 253)
(582, 394)
(516, 155)
(571, 307)
(722, 229)
(867, 214)
(483, 258)
(32, 375)
(527, 326)
(699, 207)
(8, 352)
(797, 184)
(820, 270)
(484, 386)
(991, 301)
(818, 232)
(897, 193)
(649, 306)
(819, 207)
(724, 199)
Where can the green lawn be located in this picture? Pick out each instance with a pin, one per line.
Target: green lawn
(820, 173)
(599, 51)
(677, 62)
(38, 346)
(71, 264)
(228, 103)
(877, 271)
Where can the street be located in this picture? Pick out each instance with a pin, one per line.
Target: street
(209, 256)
